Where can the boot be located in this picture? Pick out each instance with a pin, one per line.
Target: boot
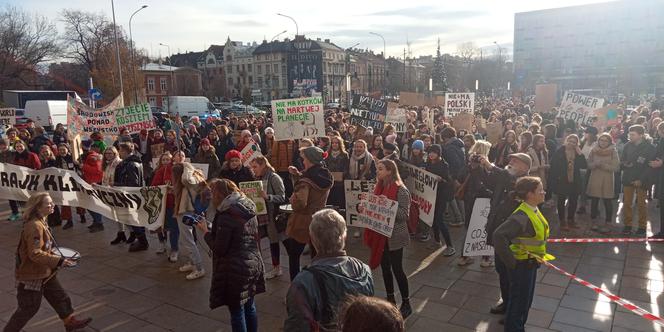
(140, 245)
(119, 238)
(73, 324)
(82, 218)
(391, 299)
(69, 224)
(405, 308)
(132, 237)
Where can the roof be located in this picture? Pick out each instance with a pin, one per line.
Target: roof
(274, 47)
(186, 59)
(157, 67)
(218, 50)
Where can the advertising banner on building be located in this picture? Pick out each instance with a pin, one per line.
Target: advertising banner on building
(368, 112)
(476, 236)
(356, 190)
(305, 68)
(423, 188)
(298, 118)
(378, 213)
(456, 103)
(579, 108)
(141, 206)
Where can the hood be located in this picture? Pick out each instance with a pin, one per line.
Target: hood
(238, 205)
(320, 176)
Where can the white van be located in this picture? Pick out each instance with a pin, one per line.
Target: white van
(46, 113)
(191, 106)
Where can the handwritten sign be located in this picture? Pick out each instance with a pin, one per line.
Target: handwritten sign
(368, 112)
(456, 103)
(378, 214)
(298, 118)
(397, 117)
(253, 190)
(476, 236)
(356, 190)
(7, 116)
(135, 118)
(423, 187)
(250, 152)
(579, 108)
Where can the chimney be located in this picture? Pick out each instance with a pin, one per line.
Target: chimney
(327, 41)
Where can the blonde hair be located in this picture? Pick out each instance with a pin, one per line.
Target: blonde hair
(262, 161)
(480, 147)
(33, 205)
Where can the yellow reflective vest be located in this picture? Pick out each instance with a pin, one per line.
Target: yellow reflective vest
(524, 248)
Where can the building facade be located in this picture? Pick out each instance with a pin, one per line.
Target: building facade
(238, 66)
(271, 70)
(615, 47)
(162, 81)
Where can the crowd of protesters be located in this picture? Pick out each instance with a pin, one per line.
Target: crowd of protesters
(573, 167)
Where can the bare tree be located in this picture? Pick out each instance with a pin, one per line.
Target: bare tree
(467, 51)
(25, 41)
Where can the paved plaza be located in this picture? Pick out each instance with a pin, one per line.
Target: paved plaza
(141, 292)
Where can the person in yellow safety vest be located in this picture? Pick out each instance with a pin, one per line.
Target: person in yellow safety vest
(520, 242)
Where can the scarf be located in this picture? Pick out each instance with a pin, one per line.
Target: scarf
(570, 155)
(376, 241)
(603, 152)
(354, 168)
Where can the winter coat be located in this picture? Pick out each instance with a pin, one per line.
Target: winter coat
(539, 166)
(66, 162)
(500, 183)
(59, 138)
(27, 159)
(109, 172)
(237, 266)
(310, 191)
(558, 180)
(602, 166)
(37, 142)
(35, 260)
(162, 176)
(210, 158)
(338, 163)
(273, 186)
(129, 173)
(444, 188)
(635, 159)
(282, 155)
(400, 237)
(224, 145)
(453, 153)
(92, 172)
(242, 175)
(7, 156)
(191, 187)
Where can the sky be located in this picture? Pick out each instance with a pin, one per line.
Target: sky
(193, 25)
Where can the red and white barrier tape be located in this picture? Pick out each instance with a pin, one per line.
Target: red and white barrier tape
(603, 240)
(614, 298)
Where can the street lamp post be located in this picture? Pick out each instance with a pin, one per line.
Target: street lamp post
(500, 65)
(271, 56)
(133, 54)
(117, 46)
(384, 61)
(170, 67)
(297, 50)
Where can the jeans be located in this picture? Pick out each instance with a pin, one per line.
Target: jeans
(294, 250)
(244, 317)
(522, 290)
(628, 198)
(173, 229)
(572, 201)
(96, 217)
(503, 278)
(439, 226)
(392, 264)
(608, 208)
(14, 206)
(192, 251)
(29, 302)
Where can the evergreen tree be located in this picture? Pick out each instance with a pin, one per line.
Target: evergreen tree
(438, 74)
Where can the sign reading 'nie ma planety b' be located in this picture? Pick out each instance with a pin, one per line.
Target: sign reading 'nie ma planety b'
(368, 112)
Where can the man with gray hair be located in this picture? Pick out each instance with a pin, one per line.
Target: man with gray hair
(316, 293)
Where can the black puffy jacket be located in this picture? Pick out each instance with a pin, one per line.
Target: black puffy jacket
(129, 172)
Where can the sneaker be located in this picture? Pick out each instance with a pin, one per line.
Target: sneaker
(449, 251)
(162, 248)
(187, 268)
(74, 324)
(195, 274)
(274, 273)
(640, 232)
(173, 257)
(499, 308)
(405, 309)
(425, 237)
(463, 261)
(487, 262)
(434, 245)
(627, 230)
(15, 216)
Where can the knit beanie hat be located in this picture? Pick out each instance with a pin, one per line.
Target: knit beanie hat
(418, 145)
(100, 145)
(233, 154)
(314, 154)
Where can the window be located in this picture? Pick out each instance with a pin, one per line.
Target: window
(229, 70)
(259, 69)
(251, 80)
(164, 101)
(150, 84)
(243, 67)
(230, 81)
(238, 68)
(249, 67)
(267, 69)
(275, 68)
(163, 84)
(153, 101)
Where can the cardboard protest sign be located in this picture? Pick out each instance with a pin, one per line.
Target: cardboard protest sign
(476, 236)
(298, 118)
(135, 118)
(579, 108)
(423, 187)
(203, 168)
(607, 116)
(139, 206)
(7, 116)
(435, 101)
(378, 213)
(463, 121)
(494, 132)
(250, 152)
(545, 97)
(84, 120)
(253, 190)
(368, 112)
(456, 103)
(411, 98)
(356, 190)
(397, 117)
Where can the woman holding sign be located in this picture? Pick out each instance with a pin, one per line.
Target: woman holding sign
(389, 251)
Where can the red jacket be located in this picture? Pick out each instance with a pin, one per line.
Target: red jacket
(92, 171)
(27, 159)
(162, 176)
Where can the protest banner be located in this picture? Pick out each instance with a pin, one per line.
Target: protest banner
(606, 116)
(7, 116)
(494, 132)
(140, 206)
(203, 168)
(298, 118)
(456, 103)
(545, 97)
(476, 236)
(368, 112)
(378, 214)
(463, 121)
(579, 108)
(135, 118)
(356, 190)
(84, 120)
(411, 98)
(396, 117)
(253, 190)
(423, 187)
(250, 152)
(435, 101)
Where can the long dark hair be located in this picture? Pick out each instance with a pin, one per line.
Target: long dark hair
(523, 186)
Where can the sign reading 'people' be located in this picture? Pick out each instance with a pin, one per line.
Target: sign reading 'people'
(368, 112)
(298, 118)
(579, 108)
